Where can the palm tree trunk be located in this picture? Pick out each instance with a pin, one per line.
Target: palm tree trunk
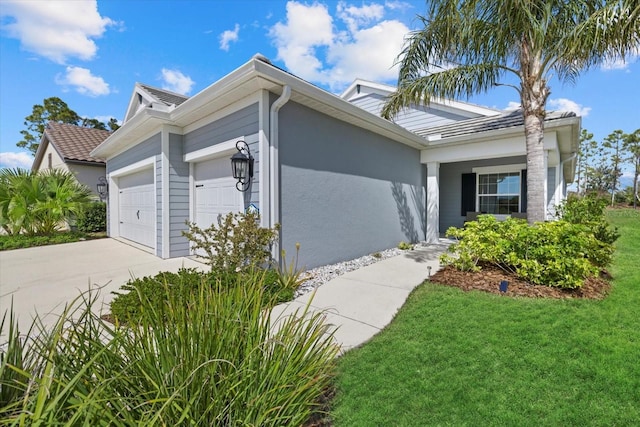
(536, 173)
(533, 97)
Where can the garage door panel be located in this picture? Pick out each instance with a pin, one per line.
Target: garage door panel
(216, 197)
(137, 207)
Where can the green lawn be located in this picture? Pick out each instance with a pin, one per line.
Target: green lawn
(456, 358)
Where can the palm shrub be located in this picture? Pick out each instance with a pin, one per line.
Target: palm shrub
(39, 202)
(213, 356)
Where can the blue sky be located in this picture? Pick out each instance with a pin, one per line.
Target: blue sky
(91, 53)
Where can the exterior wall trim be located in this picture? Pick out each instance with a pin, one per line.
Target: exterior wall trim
(213, 151)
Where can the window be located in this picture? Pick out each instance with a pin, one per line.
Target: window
(499, 193)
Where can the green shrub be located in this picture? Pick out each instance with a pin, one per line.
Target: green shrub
(556, 253)
(130, 299)
(211, 356)
(235, 242)
(405, 246)
(93, 218)
(589, 210)
(18, 241)
(39, 202)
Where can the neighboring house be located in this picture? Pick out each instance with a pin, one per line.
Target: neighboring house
(68, 147)
(339, 179)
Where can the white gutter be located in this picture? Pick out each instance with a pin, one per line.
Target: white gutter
(274, 164)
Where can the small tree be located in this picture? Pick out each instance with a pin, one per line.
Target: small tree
(631, 145)
(586, 152)
(235, 242)
(613, 142)
(54, 109)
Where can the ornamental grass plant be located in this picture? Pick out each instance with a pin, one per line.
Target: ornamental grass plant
(209, 356)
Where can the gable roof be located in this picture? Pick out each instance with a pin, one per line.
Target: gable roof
(506, 120)
(73, 143)
(258, 74)
(165, 96)
(144, 96)
(362, 88)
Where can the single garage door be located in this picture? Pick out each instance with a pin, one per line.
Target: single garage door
(137, 207)
(215, 191)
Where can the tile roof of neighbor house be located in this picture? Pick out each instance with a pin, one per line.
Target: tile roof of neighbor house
(74, 143)
(169, 98)
(485, 124)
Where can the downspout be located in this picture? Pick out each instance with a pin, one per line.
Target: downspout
(274, 165)
(572, 158)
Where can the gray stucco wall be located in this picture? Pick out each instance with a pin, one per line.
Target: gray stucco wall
(244, 122)
(178, 198)
(451, 184)
(344, 191)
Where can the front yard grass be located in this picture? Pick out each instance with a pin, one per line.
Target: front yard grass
(470, 358)
(22, 241)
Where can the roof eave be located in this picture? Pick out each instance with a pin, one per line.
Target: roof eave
(142, 122)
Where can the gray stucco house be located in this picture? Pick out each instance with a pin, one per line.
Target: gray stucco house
(338, 178)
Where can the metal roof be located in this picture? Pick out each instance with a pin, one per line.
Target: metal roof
(484, 124)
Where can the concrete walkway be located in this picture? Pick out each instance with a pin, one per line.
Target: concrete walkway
(359, 304)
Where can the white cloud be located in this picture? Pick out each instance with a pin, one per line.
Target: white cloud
(83, 82)
(354, 17)
(512, 106)
(564, 104)
(105, 119)
(312, 47)
(19, 159)
(229, 36)
(619, 63)
(175, 81)
(56, 29)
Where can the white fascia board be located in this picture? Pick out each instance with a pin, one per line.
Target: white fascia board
(347, 112)
(147, 121)
(474, 150)
(502, 144)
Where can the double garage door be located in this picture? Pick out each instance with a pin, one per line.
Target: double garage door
(137, 207)
(214, 194)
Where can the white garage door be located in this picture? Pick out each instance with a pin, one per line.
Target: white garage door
(215, 191)
(137, 207)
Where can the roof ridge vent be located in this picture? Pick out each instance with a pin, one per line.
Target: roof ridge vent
(261, 57)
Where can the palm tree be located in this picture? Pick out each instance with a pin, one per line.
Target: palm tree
(468, 46)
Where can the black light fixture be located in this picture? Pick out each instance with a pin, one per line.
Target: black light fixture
(242, 166)
(102, 187)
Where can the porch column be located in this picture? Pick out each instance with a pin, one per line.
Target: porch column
(433, 202)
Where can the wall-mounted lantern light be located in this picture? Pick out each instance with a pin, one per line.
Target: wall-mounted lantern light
(103, 188)
(242, 166)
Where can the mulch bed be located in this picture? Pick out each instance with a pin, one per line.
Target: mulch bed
(489, 278)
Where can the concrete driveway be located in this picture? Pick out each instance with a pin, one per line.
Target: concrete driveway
(44, 279)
